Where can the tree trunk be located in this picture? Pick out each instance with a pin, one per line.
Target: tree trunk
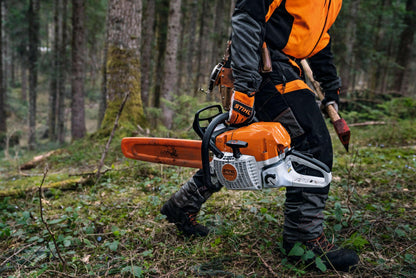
(78, 129)
(182, 47)
(23, 95)
(404, 53)
(347, 69)
(53, 93)
(162, 22)
(201, 41)
(169, 88)
(62, 72)
(218, 42)
(123, 65)
(103, 94)
(191, 45)
(232, 8)
(33, 17)
(146, 55)
(6, 51)
(3, 124)
(62, 66)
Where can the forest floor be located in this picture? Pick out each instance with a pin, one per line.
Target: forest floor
(112, 227)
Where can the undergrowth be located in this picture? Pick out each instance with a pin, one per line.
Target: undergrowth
(113, 228)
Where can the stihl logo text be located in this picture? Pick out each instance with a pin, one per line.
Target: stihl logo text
(242, 109)
(229, 172)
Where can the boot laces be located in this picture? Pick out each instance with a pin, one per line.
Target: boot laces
(322, 243)
(192, 218)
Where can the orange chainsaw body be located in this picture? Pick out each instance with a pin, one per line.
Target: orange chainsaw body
(265, 140)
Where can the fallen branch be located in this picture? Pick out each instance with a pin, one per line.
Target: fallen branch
(65, 184)
(98, 175)
(46, 224)
(369, 123)
(36, 161)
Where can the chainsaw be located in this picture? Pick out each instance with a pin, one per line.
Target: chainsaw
(250, 157)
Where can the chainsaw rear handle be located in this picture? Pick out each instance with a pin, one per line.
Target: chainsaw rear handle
(313, 161)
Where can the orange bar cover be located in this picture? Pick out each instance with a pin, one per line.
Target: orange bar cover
(180, 152)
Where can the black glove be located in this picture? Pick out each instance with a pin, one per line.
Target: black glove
(331, 98)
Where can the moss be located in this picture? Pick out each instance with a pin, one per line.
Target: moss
(22, 186)
(123, 70)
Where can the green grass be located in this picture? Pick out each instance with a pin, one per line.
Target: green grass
(113, 228)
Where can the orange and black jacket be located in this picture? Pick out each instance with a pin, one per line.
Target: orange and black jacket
(293, 29)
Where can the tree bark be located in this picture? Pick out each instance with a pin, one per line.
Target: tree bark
(182, 47)
(78, 129)
(62, 72)
(53, 93)
(3, 123)
(162, 22)
(347, 69)
(169, 88)
(23, 95)
(404, 53)
(33, 20)
(146, 53)
(191, 45)
(7, 57)
(102, 106)
(218, 42)
(123, 65)
(200, 49)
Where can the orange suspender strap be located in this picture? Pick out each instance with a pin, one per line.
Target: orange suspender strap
(291, 86)
(273, 6)
(293, 63)
(296, 84)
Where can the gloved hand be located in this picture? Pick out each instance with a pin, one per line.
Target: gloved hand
(331, 98)
(242, 108)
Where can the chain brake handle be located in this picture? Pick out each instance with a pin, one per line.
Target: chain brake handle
(198, 119)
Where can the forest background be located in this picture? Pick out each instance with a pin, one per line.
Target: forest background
(66, 67)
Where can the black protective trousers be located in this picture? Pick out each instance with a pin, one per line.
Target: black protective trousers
(285, 98)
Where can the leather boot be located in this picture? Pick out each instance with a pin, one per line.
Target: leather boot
(185, 221)
(182, 208)
(333, 257)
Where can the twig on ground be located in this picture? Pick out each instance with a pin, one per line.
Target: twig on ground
(266, 264)
(350, 188)
(45, 172)
(98, 175)
(401, 252)
(15, 253)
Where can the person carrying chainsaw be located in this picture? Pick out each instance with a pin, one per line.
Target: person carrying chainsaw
(291, 30)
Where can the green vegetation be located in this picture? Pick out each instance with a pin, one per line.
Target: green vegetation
(113, 228)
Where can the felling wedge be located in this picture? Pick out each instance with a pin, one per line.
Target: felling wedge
(251, 157)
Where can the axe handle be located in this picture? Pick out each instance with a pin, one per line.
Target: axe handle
(332, 113)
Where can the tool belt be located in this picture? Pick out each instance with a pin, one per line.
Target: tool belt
(222, 74)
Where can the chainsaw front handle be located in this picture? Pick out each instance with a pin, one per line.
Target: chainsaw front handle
(207, 144)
